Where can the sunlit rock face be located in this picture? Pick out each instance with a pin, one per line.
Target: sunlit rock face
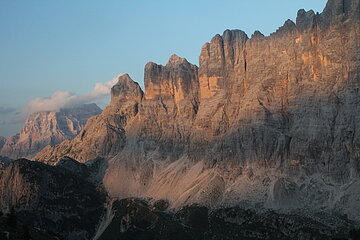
(48, 128)
(270, 121)
(177, 80)
(222, 62)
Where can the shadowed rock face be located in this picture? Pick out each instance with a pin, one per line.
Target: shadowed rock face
(137, 219)
(340, 10)
(54, 199)
(265, 120)
(48, 128)
(2, 142)
(4, 162)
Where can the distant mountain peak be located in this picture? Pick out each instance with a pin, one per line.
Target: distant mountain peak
(48, 128)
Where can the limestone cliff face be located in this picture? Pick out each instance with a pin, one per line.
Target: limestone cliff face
(177, 80)
(222, 59)
(48, 128)
(263, 120)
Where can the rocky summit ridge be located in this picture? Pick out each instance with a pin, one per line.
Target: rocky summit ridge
(270, 121)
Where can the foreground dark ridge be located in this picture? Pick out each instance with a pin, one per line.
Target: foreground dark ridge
(138, 219)
(61, 200)
(266, 121)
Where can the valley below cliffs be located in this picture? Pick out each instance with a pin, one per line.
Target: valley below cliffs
(265, 124)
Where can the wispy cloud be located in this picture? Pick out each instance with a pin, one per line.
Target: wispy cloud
(63, 99)
(12, 119)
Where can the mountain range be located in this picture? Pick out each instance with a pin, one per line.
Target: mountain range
(263, 120)
(260, 141)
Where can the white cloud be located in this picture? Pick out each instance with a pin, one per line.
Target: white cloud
(63, 99)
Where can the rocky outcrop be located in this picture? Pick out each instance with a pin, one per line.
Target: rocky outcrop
(104, 134)
(48, 128)
(340, 11)
(51, 198)
(262, 121)
(177, 80)
(222, 59)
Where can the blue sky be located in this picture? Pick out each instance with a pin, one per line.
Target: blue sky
(48, 46)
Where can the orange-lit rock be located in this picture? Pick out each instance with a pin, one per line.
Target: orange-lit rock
(177, 80)
(257, 110)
